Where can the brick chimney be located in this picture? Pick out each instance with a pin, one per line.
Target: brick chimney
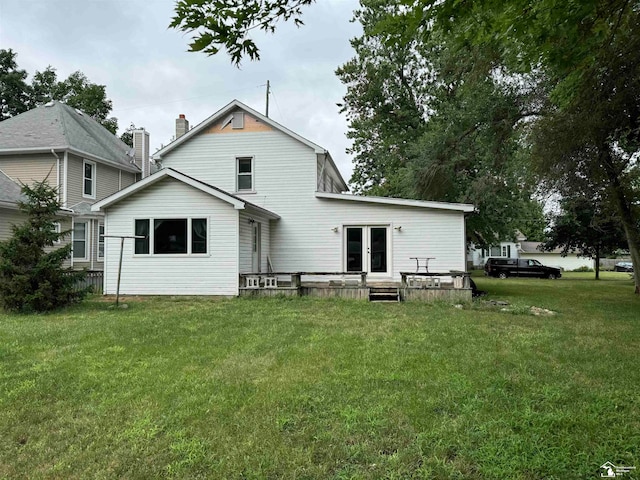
(141, 151)
(182, 126)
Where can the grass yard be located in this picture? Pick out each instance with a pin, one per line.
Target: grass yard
(306, 388)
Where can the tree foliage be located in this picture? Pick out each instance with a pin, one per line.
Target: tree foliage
(226, 23)
(77, 91)
(32, 277)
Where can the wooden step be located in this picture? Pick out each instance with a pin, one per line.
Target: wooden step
(384, 294)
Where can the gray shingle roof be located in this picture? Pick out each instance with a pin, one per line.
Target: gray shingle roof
(60, 126)
(10, 191)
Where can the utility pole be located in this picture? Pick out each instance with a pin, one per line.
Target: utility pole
(267, 109)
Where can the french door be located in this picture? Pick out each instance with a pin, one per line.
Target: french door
(367, 249)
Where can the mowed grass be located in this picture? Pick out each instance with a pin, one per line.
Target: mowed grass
(307, 388)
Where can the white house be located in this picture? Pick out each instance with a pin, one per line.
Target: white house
(530, 250)
(240, 193)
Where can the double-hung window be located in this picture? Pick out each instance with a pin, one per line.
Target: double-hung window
(244, 166)
(88, 179)
(80, 232)
(171, 236)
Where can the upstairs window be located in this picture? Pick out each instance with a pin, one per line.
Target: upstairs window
(88, 179)
(245, 174)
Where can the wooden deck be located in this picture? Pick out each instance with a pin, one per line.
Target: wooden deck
(425, 287)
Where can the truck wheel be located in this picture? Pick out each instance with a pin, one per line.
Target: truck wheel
(551, 276)
(502, 275)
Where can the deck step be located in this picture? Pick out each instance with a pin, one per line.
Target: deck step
(384, 294)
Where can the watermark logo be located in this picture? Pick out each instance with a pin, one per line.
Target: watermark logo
(613, 471)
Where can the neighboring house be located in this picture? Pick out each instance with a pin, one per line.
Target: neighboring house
(529, 250)
(9, 197)
(77, 156)
(240, 193)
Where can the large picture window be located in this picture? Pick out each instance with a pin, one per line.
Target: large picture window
(171, 236)
(245, 174)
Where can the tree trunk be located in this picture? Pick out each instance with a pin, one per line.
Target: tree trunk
(630, 226)
(597, 262)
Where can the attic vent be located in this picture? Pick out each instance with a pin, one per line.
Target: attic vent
(79, 112)
(49, 104)
(238, 120)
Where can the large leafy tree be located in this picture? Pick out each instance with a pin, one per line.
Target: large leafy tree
(32, 276)
(77, 91)
(586, 226)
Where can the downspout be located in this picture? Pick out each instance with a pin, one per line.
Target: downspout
(64, 179)
(73, 224)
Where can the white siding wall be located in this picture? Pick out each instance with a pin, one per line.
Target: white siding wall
(570, 262)
(214, 274)
(8, 218)
(285, 181)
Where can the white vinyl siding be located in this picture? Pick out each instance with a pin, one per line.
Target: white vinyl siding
(214, 273)
(303, 240)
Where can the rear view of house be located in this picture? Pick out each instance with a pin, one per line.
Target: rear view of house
(240, 194)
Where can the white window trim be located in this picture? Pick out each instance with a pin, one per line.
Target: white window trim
(57, 228)
(189, 235)
(86, 243)
(253, 173)
(98, 256)
(94, 183)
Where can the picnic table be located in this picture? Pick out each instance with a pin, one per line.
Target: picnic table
(422, 262)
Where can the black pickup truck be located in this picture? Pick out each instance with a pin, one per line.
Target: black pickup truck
(513, 267)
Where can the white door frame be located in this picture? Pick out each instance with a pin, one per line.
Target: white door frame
(256, 247)
(367, 248)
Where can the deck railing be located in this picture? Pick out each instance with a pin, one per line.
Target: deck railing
(258, 280)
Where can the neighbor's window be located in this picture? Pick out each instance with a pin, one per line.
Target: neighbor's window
(245, 173)
(171, 236)
(142, 244)
(495, 251)
(89, 179)
(506, 250)
(80, 241)
(101, 240)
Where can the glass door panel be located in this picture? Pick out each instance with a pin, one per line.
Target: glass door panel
(354, 249)
(378, 249)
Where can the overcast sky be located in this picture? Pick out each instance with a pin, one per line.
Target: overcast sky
(151, 78)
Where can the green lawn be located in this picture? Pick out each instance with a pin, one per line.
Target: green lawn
(307, 388)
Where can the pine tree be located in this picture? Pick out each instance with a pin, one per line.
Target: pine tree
(32, 277)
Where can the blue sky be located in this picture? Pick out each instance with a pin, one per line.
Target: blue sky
(151, 78)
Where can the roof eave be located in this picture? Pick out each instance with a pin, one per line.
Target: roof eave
(459, 207)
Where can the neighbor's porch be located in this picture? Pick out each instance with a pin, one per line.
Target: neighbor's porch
(423, 286)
